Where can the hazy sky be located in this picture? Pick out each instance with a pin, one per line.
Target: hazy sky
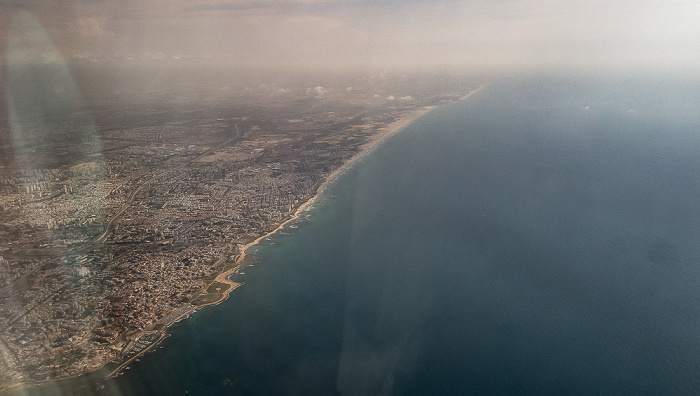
(619, 33)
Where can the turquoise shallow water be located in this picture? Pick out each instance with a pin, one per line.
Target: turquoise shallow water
(540, 237)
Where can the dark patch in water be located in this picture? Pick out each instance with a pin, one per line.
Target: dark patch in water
(663, 252)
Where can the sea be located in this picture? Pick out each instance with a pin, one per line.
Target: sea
(540, 237)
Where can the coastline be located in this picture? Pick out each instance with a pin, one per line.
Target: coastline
(381, 135)
(223, 277)
(365, 149)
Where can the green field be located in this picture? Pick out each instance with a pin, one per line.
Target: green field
(222, 287)
(210, 278)
(206, 299)
(230, 265)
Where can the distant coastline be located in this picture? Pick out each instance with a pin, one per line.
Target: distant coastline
(378, 138)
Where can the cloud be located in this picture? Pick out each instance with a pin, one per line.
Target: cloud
(89, 28)
(390, 97)
(319, 91)
(509, 33)
(406, 98)
(249, 5)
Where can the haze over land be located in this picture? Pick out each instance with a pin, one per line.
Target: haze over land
(512, 34)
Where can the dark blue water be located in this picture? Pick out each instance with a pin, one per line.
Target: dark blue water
(541, 237)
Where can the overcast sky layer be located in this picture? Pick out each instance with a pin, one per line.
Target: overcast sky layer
(477, 33)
